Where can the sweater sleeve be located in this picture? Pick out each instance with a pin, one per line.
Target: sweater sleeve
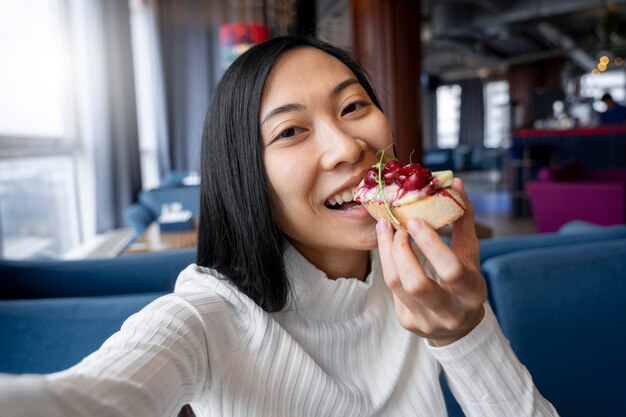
(154, 365)
(486, 377)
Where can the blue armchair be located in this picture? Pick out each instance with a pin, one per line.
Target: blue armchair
(554, 261)
(130, 274)
(493, 247)
(148, 208)
(564, 311)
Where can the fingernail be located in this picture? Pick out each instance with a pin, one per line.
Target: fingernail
(414, 226)
(382, 226)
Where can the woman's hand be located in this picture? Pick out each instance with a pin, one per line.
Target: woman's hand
(447, 307)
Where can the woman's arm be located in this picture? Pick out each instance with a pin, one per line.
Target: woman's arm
(154, 365)
(486, 377)
(439, 294)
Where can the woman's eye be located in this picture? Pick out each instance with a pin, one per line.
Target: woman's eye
(352, 107)
(287, 133)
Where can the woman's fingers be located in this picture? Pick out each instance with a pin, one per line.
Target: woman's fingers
(385, 241)
(402, 272)
(443, 312)
(446, 263)
(415, 283)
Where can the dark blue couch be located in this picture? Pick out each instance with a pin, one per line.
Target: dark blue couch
(48, 335)
(54, 313)
(129, 274)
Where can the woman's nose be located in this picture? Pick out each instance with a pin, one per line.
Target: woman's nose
(340, 147)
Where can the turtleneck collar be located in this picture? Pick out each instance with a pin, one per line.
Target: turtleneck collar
(316, 296)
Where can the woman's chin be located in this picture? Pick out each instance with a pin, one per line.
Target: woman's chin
(367, 239)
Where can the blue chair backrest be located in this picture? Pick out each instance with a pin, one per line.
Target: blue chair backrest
(49, 335)
(188, 196)
(564, 312)
(490, 248)
(128, 274)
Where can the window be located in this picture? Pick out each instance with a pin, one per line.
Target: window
(595, 85)
(497, 114)
(38, 199)
(448, 115)
(37, 206)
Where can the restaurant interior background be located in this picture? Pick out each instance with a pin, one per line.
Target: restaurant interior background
(100, 100)
(101, 113)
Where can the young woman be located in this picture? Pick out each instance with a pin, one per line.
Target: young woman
(297, 308)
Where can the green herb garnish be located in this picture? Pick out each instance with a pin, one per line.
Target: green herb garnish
(381, 184)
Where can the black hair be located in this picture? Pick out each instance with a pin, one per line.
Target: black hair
(238, 233)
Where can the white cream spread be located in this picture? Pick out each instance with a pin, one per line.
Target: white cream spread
(397, 196)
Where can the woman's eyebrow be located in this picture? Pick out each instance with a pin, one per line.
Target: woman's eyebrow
(285, 108)
(342, 86)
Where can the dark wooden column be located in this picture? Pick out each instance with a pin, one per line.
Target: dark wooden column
(387, 43)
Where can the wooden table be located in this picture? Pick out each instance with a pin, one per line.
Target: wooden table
(153, 240)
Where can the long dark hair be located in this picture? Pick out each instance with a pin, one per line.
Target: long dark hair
(238, 234)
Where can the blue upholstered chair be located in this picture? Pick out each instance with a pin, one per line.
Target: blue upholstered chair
(48, 335)
(570, 235)
(130, 274)
(439, 159)
(148, 208)
(563, 269)
(564, 311)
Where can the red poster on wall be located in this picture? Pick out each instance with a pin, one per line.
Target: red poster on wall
(236, 38)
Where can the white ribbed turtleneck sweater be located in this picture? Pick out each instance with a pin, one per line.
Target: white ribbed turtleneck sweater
(337, 350)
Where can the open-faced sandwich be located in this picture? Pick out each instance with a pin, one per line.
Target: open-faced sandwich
(400, 192)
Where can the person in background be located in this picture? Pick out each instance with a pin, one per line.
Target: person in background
(297, 308)
(615, 113)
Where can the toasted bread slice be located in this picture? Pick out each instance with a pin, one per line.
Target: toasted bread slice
(437, 210)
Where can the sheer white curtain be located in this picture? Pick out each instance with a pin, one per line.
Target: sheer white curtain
(107, 115)
(150, 85)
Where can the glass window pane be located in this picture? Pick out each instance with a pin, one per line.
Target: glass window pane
(497, 114)
(33, 73)
(448, 115)
(593, 86)
(38, 213)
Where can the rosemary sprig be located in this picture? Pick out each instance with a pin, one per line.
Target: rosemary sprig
(381, 186)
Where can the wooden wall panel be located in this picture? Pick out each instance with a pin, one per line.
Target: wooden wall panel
(524, 79)
(387, 43)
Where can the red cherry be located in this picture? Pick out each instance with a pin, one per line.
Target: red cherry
(413, 167)
(416, 182)
(405, 171)
(370, 178)
(411, 183)
(393, 165)
(401, 179)
(389, 176)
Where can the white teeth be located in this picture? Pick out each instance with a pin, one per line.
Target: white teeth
(343, 197)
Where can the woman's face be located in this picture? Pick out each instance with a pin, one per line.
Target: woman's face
(320, 133)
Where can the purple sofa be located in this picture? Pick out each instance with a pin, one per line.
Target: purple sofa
(594, 195)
